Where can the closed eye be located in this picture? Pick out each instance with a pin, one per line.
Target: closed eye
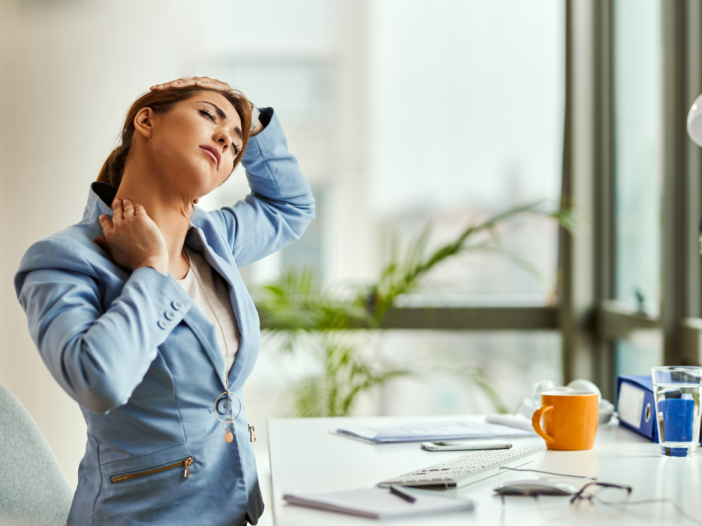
(205, 112)
(237, 150)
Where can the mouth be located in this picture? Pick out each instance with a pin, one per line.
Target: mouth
(213, 153)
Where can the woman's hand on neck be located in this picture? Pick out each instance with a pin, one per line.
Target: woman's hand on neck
(168, 209)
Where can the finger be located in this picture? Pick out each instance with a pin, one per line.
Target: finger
(105, 224)
(118, 214)
(213, 83)
(139, 211)
(193, 81)
(181, 83)
(207, 81)
(167, 85)
(128, 208)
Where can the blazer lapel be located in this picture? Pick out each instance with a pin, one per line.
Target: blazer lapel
(202, 327)
(204, 330)
(236, 288)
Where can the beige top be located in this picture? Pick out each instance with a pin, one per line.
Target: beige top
(203, 283)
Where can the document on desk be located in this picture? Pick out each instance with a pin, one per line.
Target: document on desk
(379, 503)
(431, 431)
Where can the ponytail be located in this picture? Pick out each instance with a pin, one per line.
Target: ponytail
(113, 169)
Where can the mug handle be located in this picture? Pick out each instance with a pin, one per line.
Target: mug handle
(536, 423)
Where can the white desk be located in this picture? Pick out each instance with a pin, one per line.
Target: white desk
(305, 457)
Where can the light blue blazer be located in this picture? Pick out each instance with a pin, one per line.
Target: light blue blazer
(144, 363)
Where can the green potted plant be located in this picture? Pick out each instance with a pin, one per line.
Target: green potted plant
(338, 328)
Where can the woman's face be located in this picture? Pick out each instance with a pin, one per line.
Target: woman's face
(196, 141)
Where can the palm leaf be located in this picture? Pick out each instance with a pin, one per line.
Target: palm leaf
(297, 307)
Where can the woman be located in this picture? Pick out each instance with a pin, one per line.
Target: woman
(141, 315)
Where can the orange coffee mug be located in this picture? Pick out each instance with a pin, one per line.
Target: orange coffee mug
(570, 419)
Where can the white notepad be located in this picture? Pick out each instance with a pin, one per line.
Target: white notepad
(428, 431)
(379, 503)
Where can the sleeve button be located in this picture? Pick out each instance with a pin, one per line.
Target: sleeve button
(169, 314)
(162, 324)
(177, 305)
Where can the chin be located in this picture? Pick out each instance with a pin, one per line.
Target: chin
(196, 180)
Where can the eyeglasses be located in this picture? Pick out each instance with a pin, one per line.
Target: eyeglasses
(606, 499)
(603, 499)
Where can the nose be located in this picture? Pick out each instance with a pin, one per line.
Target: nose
(223, 139)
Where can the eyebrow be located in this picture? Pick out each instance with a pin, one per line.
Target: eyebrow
(222, 115)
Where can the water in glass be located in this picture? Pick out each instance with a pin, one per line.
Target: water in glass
(678, 409)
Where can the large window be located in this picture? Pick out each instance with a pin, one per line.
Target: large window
(460, 115)
(638, 168)
(638, 113)
(467, 120)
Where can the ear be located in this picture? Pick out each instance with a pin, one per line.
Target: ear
(144, 122)
(196, 200)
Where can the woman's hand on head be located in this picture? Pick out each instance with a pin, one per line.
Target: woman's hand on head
(201, 82)
(132, 238)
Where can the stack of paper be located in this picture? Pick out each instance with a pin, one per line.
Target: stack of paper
(378, 503)
(518, 421)
(431, 431)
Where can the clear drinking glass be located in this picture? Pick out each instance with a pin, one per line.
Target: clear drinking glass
(677, 393)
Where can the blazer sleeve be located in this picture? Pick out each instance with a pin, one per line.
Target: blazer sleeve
(99, 356)
(280, 205)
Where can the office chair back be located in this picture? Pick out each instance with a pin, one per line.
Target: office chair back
(33, 488)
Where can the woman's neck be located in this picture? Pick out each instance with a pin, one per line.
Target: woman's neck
(170, 211)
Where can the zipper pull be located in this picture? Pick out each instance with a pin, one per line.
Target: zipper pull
(187, 463)
(252, 432)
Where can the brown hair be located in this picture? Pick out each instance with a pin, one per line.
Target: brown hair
(160, 102)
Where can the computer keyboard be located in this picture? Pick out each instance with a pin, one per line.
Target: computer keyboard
(461, 470)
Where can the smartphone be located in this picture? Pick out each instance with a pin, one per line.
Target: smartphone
(461, 446)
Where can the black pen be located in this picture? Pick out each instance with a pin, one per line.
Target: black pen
(395, 490)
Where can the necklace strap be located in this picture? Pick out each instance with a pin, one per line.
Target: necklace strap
(214, 313)
(229, 421)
